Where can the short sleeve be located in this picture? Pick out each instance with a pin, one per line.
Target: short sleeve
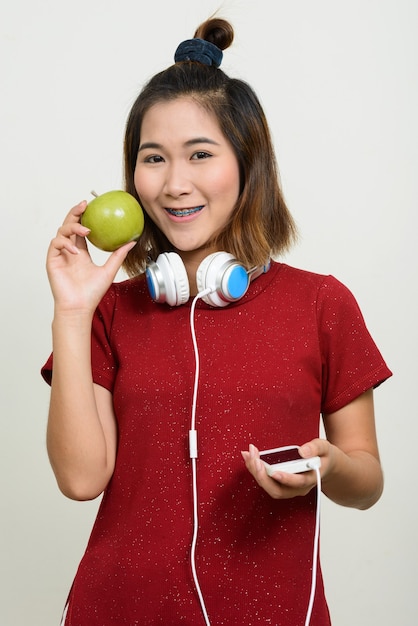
(103, 361)
(351, 361)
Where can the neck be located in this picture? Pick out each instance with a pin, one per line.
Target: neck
(191, 261)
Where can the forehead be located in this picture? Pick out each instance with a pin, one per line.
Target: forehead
(182, 116)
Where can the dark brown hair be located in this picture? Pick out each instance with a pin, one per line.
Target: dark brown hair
(261, 224)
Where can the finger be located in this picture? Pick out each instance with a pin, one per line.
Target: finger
(76, 212)
(71, 229)
(291, 485)
(115, 260)
(60, 244)
(70, 238)
(245, 455)
(295, 481)
(316, 447)
(255, 466)
(72, 225)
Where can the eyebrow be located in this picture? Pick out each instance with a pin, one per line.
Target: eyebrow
(191, 142)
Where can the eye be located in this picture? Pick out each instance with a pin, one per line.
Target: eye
(201, 154)
(153, 158)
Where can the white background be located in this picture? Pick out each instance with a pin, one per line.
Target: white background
(338, 81)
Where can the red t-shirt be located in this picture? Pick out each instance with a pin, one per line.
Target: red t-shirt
(293, 347)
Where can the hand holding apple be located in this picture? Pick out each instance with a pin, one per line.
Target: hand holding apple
(114, 218)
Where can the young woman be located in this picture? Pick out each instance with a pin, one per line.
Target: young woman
(208, 334)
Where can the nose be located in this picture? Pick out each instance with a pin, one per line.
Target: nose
(177, 181)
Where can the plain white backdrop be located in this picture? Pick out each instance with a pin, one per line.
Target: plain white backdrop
(338, 81)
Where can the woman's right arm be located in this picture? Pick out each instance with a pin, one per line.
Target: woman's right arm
(81, 432)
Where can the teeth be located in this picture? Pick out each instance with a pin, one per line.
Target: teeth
(184, 212)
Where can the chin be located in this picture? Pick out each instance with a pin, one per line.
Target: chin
(202, 250)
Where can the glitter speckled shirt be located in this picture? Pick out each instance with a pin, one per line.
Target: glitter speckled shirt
(294, 346)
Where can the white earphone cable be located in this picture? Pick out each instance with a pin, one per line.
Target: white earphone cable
(193, 456)
(64, 615)
(315, 548)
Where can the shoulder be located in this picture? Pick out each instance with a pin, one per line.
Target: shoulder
(129, 287)
(322, 294)
(308, 283)
(125, 290)
(123, 297)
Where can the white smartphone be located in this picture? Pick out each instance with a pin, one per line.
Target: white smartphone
(287, 459)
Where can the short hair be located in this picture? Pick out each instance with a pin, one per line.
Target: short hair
(261, 225)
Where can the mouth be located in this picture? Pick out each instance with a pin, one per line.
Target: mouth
(184, 212)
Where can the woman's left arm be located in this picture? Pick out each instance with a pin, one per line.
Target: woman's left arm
(351, 474)
(351, 471)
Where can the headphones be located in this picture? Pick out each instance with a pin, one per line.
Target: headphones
(220, 277)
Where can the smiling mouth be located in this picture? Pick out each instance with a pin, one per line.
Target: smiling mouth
(184, 212)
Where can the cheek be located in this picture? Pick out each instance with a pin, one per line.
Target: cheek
(144, 188)
(226, 183)
(138, 182)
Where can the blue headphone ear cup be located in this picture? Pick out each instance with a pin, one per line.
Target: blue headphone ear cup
(167, 279)
(225, 276)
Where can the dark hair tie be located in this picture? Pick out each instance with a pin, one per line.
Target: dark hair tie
(199, 50)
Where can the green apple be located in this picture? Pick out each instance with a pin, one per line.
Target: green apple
(114, 218)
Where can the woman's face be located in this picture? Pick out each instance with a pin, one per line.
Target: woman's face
(186, 174)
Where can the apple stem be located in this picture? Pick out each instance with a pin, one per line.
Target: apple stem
(93, 193)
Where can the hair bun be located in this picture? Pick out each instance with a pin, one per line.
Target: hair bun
(210, 39)
(217, 31)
